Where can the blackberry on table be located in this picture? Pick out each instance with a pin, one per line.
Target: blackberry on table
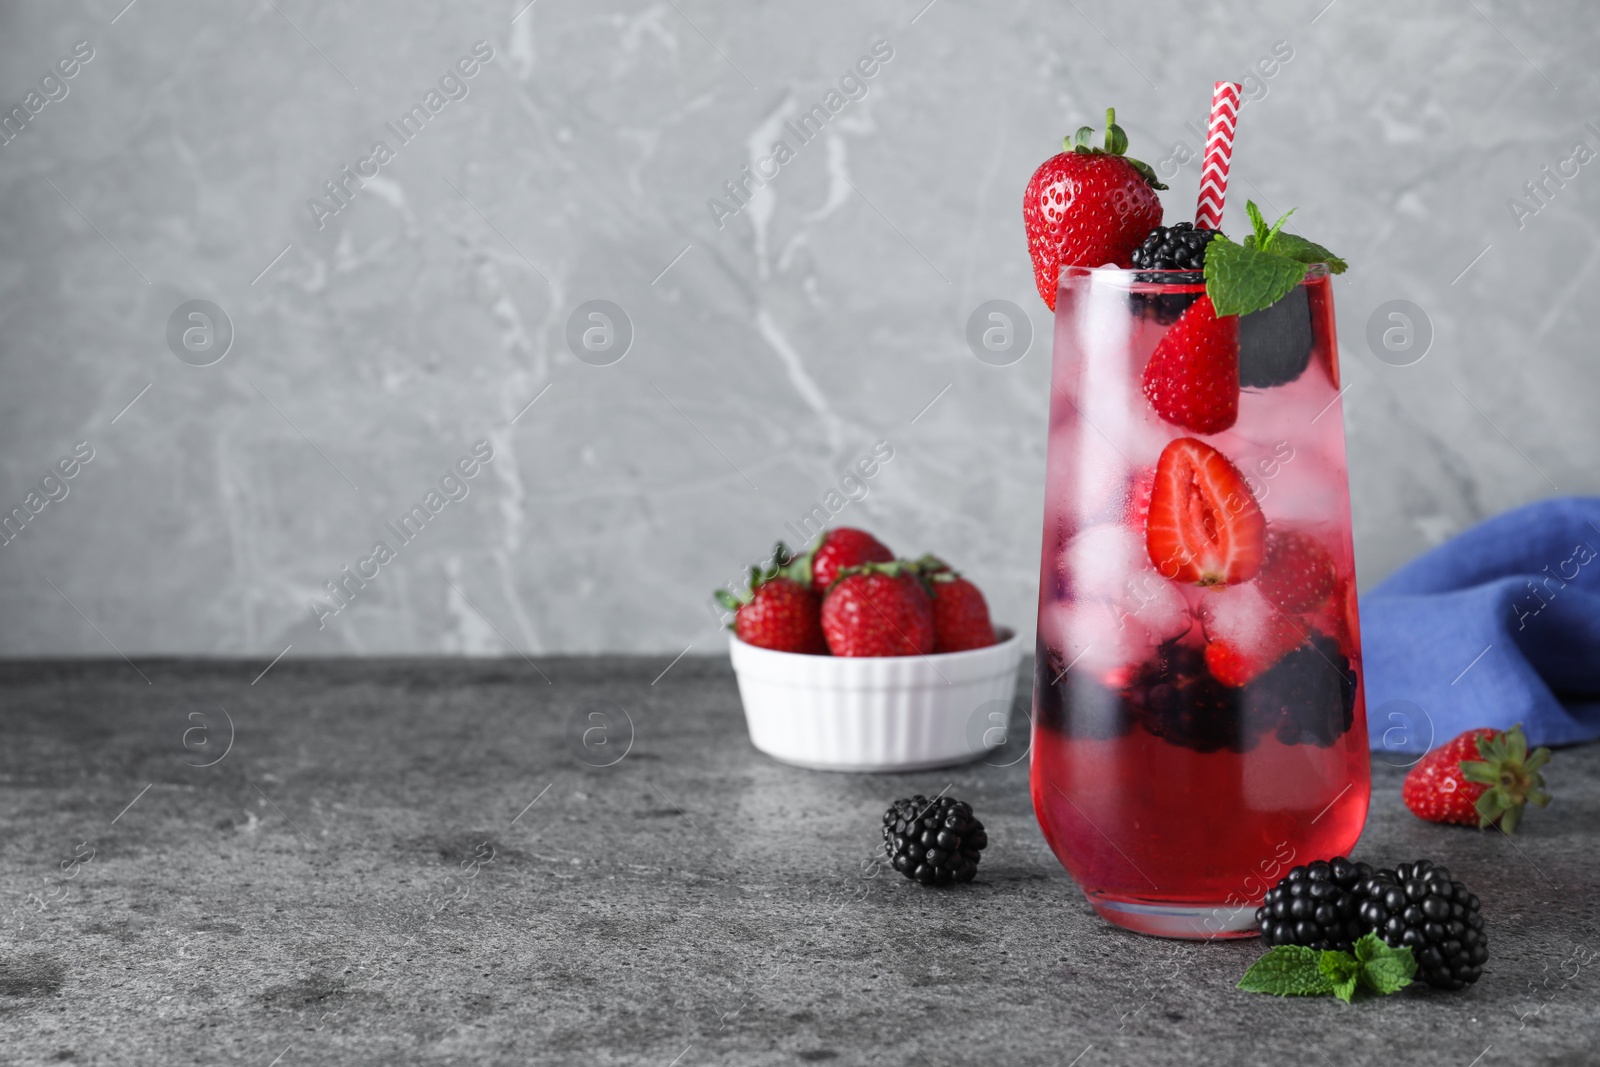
(1420, 905)
(1317, 905)
(934, 842)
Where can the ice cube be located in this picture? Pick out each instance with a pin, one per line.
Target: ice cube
(1095, 636)
(1111, 565)
(1237, 614)
(1100, 559)
(1085, 472)
(1158, 605)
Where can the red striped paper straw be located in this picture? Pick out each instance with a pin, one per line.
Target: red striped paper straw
(1219, 151)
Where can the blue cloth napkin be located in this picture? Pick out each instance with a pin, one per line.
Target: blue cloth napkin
(1498, 626)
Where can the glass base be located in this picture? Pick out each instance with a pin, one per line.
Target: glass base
(1192, 922)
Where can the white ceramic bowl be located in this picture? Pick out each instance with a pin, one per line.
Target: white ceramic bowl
(892, 713)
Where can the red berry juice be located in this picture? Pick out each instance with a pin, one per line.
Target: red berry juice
(1199, 724)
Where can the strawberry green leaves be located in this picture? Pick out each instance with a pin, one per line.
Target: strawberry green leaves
(1511, 774)
(1297, 971)
(1241, 278)
(1116, 144)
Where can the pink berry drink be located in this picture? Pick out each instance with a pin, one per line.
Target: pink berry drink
(1199, 724)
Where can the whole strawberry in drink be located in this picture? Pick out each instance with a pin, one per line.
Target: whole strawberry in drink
(879, 609)
(1297, 574)
(1481, 778)
(778, 613)
(837, 549)
(1192, 379)
(960, 614)
(1086, 207)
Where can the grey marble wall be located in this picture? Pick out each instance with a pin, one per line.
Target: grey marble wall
(367, 344)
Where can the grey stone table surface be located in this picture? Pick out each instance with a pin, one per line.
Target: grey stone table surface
(407, 861)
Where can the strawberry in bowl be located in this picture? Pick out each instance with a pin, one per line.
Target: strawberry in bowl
(904, 669)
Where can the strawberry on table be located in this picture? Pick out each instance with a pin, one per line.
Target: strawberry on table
(779, 612)
(879, 609)
(1481, 778)
(1297, 574)
(1205, 526)
(1086, 207)
(960, 614)
(837, 549)
(1192, 379)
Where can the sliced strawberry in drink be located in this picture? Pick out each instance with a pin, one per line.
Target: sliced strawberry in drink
(1192, 379)
(1205, 526)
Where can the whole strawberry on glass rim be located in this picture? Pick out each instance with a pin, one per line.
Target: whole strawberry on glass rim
(1482, 778)
(1088, 206)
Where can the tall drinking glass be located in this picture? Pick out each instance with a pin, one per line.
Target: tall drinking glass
(1199, 724)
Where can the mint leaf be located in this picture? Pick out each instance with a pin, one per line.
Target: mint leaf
(1291, 246)
(1287, 971)
(1342, 971)
(1272, 234)
(1241, 279)
(1301, 250)
(1390, 974)
(1264, 235)
(1384, 969)
(1258, 224)
(1297, 971)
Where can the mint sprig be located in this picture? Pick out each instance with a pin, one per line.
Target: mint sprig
(1384, 970)
(1288, 971)
(1297, 971)
(1343, 972)
(1265, 268)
